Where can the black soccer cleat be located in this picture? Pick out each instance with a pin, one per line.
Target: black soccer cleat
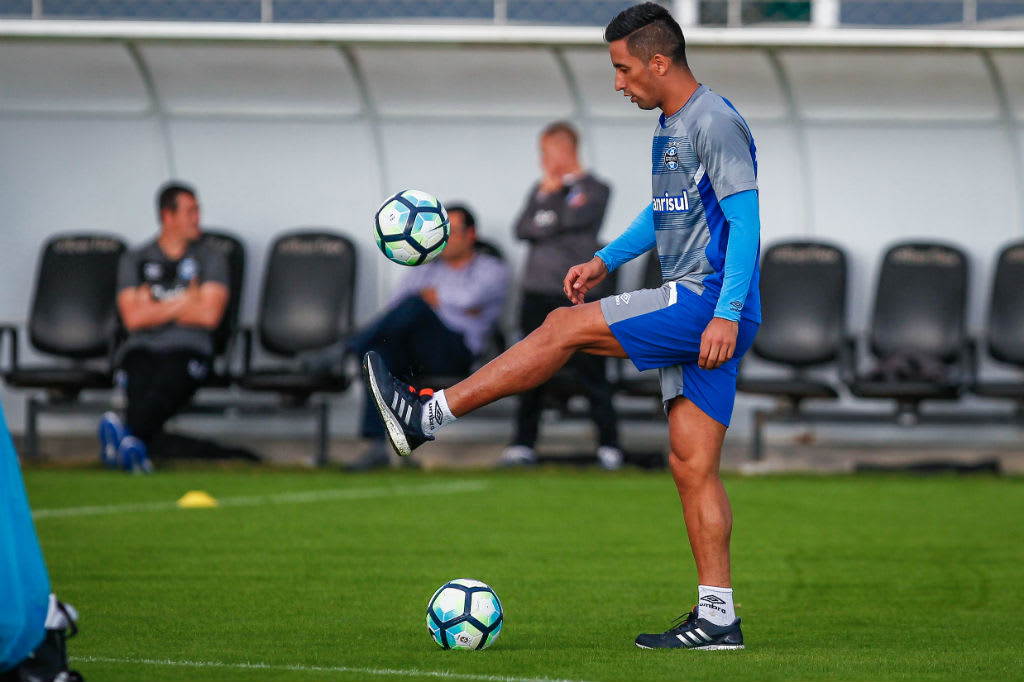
(695, 633)
(399, 405)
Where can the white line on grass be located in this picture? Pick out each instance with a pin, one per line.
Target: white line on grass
(276, 498)
(412, 672)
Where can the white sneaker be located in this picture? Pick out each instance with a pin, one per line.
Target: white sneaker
(609, 457)
(517, 456)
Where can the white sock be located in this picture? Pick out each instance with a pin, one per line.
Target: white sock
(715, 604)
(436, 414)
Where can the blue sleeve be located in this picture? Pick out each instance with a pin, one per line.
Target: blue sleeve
(741, 211)
(637, 239)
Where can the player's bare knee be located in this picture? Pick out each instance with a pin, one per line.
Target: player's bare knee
(689, 468)
(557, 328)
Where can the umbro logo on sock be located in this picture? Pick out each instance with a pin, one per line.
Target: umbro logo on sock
(712, 599)
(436, 415)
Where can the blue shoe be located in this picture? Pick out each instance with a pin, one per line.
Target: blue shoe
(399, 405)
(111, 433)
(695, 633)
(132, 456)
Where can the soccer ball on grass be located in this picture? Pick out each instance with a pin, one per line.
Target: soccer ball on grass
(464, 614)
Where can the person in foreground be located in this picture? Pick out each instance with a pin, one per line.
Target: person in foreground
(704, 222)
(34, 625)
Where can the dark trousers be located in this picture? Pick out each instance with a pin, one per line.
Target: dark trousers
(159, 385)
(412, 340)
(591, 370)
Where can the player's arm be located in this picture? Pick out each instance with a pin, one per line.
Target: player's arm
(206, 300)
(204, 305)
(135, 303)
(723, 144)
(637, 239)
(718, 343)
(139, 310)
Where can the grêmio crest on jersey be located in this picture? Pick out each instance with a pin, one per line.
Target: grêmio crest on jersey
(671, 157)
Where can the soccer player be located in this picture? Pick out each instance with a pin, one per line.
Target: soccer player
(704, 221)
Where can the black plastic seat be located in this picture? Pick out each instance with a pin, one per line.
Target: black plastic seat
(919, 312)
(73, 322)
(72, 318)
(1005, 325)
(803, 311)
(306, 305)
(224, 336)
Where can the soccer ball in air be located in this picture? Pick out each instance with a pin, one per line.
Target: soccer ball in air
(411, 227)
(464, 614)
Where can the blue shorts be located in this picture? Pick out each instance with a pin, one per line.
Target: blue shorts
(661, 328)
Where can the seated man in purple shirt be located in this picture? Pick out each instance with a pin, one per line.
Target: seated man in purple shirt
(439, 320)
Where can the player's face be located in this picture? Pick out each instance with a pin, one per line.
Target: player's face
(184, 221)
(632, 77)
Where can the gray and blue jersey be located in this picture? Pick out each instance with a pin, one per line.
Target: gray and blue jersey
(701, 154)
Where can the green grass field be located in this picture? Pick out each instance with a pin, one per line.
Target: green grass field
(325, 576)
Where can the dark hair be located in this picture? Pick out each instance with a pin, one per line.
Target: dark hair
(649, 29)
(167, 196)
(563, 128)
(466, 214)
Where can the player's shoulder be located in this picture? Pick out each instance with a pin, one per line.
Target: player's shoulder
(714, 117)
(146, 249)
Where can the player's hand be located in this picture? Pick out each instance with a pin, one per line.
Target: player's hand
(717, 343)
(550, 183)
(582, 278)
(430, 296)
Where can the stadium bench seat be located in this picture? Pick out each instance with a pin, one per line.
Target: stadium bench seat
(919, 312)
(307, 304)
(1005, 325)
(803, 304)
(73, 320)
(226, 333)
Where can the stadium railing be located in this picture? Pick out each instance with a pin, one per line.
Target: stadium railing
(730, 13)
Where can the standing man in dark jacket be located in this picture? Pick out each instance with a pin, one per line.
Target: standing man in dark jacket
(561, 219)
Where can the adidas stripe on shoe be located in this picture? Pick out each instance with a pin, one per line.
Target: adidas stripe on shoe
(400, 405)
(695, 633)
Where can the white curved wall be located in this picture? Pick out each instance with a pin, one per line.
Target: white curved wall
(860, 147)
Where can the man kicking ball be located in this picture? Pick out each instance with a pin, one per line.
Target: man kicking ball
(704, 222)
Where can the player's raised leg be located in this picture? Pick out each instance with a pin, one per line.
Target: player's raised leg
(412, 418)
(696, 441)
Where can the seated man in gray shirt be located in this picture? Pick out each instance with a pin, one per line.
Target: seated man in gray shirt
(440, 318)
(172, 292)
